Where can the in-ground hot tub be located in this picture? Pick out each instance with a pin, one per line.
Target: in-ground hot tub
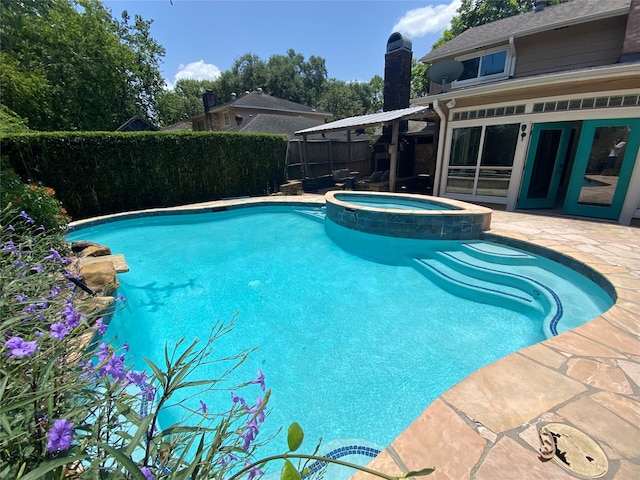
(407, 216)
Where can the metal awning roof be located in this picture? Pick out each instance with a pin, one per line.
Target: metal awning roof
(373, 119)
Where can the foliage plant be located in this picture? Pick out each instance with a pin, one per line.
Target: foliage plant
(99, 173)
(72, 405)
(40, 201)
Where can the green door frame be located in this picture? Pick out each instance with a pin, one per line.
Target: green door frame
(530, 167)
(572, 205)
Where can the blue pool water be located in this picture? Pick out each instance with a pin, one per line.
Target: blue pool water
(393, 202)
(356, 334)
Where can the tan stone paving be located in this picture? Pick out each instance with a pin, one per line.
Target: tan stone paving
(486, 427)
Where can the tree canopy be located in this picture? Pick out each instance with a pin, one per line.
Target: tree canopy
(68, 65)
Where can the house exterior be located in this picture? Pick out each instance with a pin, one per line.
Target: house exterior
(256, 112)
(546, 111)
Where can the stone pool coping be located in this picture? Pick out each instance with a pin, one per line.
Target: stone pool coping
(485, 427)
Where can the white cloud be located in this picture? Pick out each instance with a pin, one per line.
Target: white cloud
(197, 71)
(430, 19)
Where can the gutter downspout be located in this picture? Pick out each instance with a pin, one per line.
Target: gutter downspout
(441, 143)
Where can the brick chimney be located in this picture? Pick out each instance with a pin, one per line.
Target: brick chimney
(397, 72)
(209, 100)
(631, 46)
(539, 5)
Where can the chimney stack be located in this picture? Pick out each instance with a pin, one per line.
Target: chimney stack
(397, 72)
(209, 100)
(539, 5)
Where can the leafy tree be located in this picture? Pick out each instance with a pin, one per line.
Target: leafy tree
(377, 90)
(419, 79)
(184, 101)
(68, 65)
(346, 99)
(473, 13)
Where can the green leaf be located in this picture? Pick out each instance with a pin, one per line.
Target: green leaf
(136, 441)
(289, 472)
(51, 465)
(124, 460)
(419, 473)
(159, 374)
(295, 436)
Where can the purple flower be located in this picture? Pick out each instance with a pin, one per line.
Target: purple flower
(19, 348)
(249, 435)
(10, 247)
(72, 315)
(55, 291)
(203, 407)
(149, 393)
(137, 378)
(21, 298)
(59, 330)
(237, 399)
(254, 472)
(11, 228)
(60, 436)
(100, 326)
(55, 256)
(256, 409)
(37, 268)
(147, 473)
(27, 218)
(259, 380)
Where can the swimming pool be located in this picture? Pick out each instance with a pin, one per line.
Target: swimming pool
(357, 334)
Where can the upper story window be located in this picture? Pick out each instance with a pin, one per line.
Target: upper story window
(491, 65)
(227, 121)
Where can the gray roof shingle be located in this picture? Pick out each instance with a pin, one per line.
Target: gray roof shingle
(260, 100)
(569, 13)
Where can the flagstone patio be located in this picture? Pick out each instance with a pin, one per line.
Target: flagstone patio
(486, 426)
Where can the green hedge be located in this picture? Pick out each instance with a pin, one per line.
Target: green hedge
(97, 173)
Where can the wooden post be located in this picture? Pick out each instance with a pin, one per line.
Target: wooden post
(393, 153)
(305, 157)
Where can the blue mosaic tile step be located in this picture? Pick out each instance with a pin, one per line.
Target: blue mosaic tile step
(339, 453)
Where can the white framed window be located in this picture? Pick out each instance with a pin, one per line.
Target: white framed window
(227, 121)
(485, 66)
(481, 160)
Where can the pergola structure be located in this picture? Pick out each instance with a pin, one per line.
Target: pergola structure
(391, 118)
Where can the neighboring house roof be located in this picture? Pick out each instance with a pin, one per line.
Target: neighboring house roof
(137, 124)
(259, 100)
(179, 126)
(556, 16)
(274, 123)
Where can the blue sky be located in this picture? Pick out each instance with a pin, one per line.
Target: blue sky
(204, 37)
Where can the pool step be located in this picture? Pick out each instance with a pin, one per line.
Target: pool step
(318, 215)
(464, 282)
(495, 274)
(492, 252)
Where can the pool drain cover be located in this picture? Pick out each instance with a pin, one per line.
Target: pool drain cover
(575, 451)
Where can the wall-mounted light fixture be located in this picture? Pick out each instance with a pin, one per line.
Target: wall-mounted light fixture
(451, 103)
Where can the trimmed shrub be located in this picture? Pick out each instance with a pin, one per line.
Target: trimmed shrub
(98, 173)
